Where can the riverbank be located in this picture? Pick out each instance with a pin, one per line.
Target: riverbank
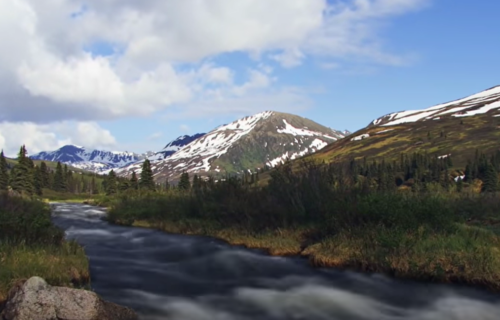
(469, 256)
(30, 245)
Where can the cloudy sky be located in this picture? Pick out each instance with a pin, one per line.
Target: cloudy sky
(133, 75)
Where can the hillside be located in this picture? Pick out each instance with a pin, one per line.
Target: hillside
(50, 164)
(457, 128)
(245, 144)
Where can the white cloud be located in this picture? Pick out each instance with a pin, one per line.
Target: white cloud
(155, 136)
(184, 128)
(164, 46)
(43, 137)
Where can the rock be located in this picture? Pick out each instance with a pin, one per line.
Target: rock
(36, 300)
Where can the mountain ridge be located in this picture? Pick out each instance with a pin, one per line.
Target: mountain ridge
(457, 127)
(245, 144)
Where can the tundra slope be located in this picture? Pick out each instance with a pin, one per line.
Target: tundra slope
(454, 128)
(266, 138)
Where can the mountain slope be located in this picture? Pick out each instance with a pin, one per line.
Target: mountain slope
(248, 143)
(88, 159)
(174, 146)
(457, 128)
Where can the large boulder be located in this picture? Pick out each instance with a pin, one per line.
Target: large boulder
(36, 300)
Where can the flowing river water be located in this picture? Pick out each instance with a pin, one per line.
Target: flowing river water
(178, 277)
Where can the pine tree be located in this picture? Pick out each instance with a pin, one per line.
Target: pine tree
(196, 182)
(59, 184)
(490, 179)
(45, 175)
(124, 185)
(22, 175)
(37, 181)
(4, 176)
(147, 181)
(93, 186)
(133, 181)
(184, 183)
(111, 183)
(460, 185)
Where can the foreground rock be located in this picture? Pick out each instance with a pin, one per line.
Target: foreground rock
(36, 300)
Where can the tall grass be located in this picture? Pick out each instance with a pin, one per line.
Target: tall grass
(30, 245)
(336, 221)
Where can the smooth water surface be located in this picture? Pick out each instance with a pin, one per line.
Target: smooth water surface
(165, 276)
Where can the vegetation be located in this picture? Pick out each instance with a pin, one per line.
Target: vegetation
(412, 217)
(31, 245)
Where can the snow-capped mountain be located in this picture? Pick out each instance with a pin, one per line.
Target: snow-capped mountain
(458, 128)
(88, 159)
(174, 146)
(487, 101)
(266, 138)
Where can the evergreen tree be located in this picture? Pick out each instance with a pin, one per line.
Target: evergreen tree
(22, 175)
(133, 181)
(196, 182)
(147, 181)
(111, 183)
(460, 185)
(93, 186)
(184, 183)
(4, 176)
(45, 175)
(490, 183)
(125, 184)
(37, 181)
(59, 184)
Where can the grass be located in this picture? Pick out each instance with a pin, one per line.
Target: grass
(64, 265)
(30, 245)
(435, 235)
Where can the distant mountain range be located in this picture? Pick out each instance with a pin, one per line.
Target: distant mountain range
(266, 138)
(88, 159)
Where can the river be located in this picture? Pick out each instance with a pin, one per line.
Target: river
(178, 277)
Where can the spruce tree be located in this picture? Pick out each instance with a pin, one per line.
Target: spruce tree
(4, 176)
(184, 183)
(45, 175)
(133, 181)
(37, 180)
(124, 185)
(147, 181)
(111, 183)
(22, 175)
(59, 184)
(490, 183)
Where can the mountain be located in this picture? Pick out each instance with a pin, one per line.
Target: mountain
(245, 144)
(454, 128)
(88, 159)
(174, 146)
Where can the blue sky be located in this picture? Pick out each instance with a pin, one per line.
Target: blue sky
(410, 54)
(456, 49)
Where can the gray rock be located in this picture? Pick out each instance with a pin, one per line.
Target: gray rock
(36, 300)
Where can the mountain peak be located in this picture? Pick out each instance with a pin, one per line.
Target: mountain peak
(265, 138)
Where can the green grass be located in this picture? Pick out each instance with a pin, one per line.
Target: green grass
(64, 265)
(436, 237)
(30, 245)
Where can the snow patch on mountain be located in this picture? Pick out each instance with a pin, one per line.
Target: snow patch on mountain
(475, 104)
(289, 129)
(361, 137)
(88, 159)
(217, 142)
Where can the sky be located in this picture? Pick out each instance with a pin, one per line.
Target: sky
(134, 75)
